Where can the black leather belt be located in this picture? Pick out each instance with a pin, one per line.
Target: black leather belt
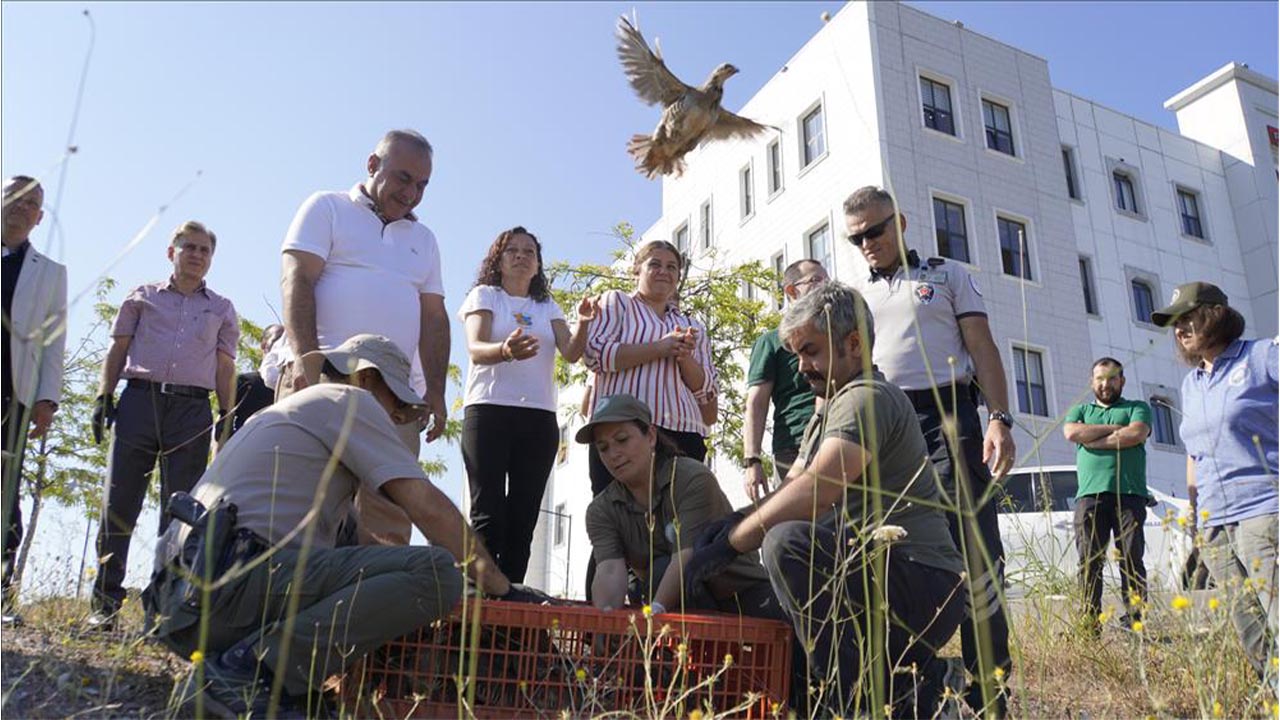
(191, 391)
(924, 398)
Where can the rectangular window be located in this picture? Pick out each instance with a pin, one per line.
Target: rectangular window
(1143, 300)
(775, 167)
(815, 139)
(779, 265)
(1015, 250)
(748, 290)
(1162, 429)
(1125, 198)
(818, 244)
(936, 101)
(953, 236)
(1069, 167)
(682, 238)
(1189, 208)
(999, 129)
(704, 218)
(1087, 286)
(746, 194)
(561, 524)
(1028, 372)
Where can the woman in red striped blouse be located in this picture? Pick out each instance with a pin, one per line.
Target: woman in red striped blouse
(643, 345)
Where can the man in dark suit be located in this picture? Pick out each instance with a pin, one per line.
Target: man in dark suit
(257, 389)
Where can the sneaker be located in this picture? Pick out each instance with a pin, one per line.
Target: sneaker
(233, 688)
(101, 621)
(10, 620)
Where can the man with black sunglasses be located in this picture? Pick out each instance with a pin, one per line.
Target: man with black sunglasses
(934, 342)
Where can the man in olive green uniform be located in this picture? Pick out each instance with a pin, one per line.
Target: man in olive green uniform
(863, 479)
(1111, 499)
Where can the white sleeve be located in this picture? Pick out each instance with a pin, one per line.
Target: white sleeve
(481, 297)
(432, 283)
(312, 228)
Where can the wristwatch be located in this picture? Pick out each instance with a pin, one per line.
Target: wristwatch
(751, 460)
(1002, 416)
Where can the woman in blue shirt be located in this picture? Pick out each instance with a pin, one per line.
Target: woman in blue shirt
(1229, 428)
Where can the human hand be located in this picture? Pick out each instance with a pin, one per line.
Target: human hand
(998, 449)
(104, 416)
(41, 417)
(525, 594)
(436, 413)
(588, 309)
(519, 346)
(677, 344)
(755, 482)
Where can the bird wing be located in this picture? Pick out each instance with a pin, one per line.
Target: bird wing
(645, 70)
(729, 125)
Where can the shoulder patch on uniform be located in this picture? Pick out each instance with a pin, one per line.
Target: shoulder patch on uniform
(935, 261)
(974, 284)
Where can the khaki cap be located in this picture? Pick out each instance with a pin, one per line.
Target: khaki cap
(377, 352)
(615, 408)
(1188, 297)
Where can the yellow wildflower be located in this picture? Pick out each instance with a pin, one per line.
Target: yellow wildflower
(647, 611)
(1180, 603)
(581, 675)
(999, 674)
(1182, 521)
(1103, 617)
(1217, 709)
(197, 657)
(1137, 626)
(728, 659)
(1204, 516)
(1135, 600)
(1214, 603)
(695, 714)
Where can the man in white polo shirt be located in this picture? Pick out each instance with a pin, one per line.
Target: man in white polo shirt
(360, 262)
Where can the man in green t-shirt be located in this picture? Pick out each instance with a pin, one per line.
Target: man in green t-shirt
(773, 375)
(1111, 472)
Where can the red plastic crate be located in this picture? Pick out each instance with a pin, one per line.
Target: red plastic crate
(510, 660)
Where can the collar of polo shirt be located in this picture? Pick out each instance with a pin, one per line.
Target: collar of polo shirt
(360, 196)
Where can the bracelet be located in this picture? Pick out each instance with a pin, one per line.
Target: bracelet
(505, 352)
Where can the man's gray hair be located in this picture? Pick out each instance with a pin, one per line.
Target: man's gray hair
(836, 303)
(412, 137)
(865, 198)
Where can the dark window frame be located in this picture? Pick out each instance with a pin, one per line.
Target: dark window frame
(1033, 398)
(773, 159)
(1069, 168)
(1163, 429)
(1126, 194)
(1189, 211)
(937, 118)
(1088, 286)
(746, 192)
(1014, 258)
(946, 236)
(1143, 295)
(999, 140)
(813, 142)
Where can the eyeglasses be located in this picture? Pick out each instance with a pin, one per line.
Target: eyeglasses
(872, 232)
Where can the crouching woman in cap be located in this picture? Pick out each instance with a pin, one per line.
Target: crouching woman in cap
(647, 518)
(304, 611)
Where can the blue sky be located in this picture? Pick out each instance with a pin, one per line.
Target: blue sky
(525, 104)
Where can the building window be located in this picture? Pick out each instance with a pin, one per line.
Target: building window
(704, 218)
(953, 236)
(818, 245)
(1069, 167)
(1143, 300)
(561, 525)
(779, 265)
(814, 136)
(1125, 198)
(746, 194)
(1189, 209)
(935, 98)
(1087, 286)
(1162, 428)
(682, 238)
(748, 290)
(775, 167)
(562, 452)
(1028, 372)
(1015, 249)
(999, 129)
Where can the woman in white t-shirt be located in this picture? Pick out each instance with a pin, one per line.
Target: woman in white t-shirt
(510, 435)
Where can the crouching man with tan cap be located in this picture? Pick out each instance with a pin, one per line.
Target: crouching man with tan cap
(290, 607)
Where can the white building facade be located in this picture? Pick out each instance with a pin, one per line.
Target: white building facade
(980, 149)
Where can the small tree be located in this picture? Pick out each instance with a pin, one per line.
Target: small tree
(721, 295)
(66, 465)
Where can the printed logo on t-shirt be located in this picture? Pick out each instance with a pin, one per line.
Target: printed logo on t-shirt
(1238, 376)
(924, 293)
(523, 319)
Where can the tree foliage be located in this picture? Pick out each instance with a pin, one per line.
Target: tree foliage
(736, 302)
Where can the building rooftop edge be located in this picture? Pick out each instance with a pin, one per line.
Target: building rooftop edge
(1221, 76)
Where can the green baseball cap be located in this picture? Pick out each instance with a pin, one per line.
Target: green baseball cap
(615, 408)
(1188, 297)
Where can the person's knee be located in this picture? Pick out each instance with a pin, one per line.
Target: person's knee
(436, 577)
(785, 547)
